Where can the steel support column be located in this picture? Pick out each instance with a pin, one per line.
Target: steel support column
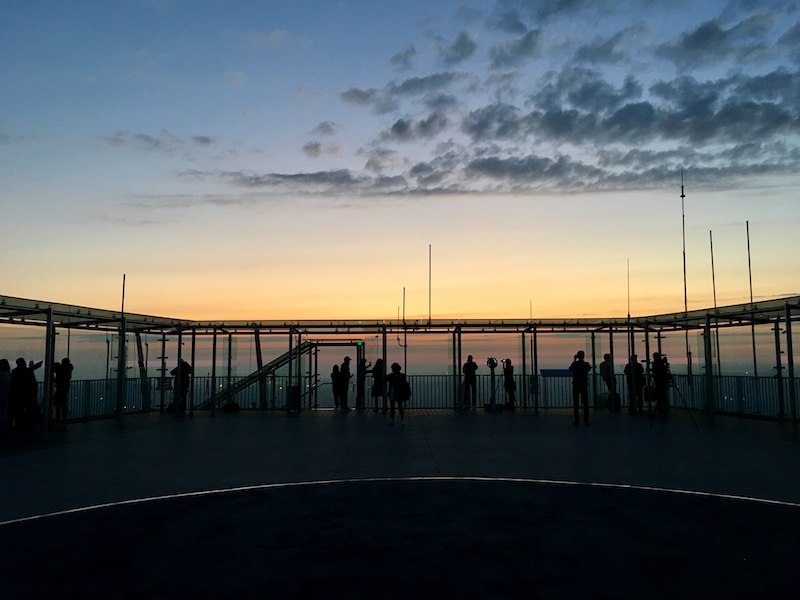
(49, 359)
(709, 359)
(790, 371)
(779, 371)
(213, 370)
(121, 369)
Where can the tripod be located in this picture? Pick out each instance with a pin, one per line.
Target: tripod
(664, 406)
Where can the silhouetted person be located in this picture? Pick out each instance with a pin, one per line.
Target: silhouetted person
(580, 386)
(344, 382)
(5, 384)
(183, 377)
(470, 369)
(397, 392)
(361, 381)
(336, 377)
(377, 381)
(607, 375)
(661, 380)
(509, 384)
(62, 376)
(21, 396)
(634, 376)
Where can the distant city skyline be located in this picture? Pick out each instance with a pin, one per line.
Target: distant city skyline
(298, 160)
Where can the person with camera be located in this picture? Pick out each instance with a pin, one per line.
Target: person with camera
(661, 380)
(509, 384)
(580, 386)
(634, 375)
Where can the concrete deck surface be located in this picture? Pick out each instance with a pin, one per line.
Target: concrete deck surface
(469, 504)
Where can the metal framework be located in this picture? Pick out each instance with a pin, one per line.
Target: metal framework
(52, 316)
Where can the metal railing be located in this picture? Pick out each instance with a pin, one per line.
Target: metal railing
(744, 396)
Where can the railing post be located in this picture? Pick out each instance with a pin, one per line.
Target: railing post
(49, 359)
(779, 371)
(193, 372)
(709, 368)
(121, 369)
(790, 369)
(535, 358)
(213, 370)
(648, 382)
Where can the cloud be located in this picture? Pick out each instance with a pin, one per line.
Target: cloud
(380, 101)
(517, 50)
(496, 121)
(790, 40)
(164, 143)
(404, 59)
(712, 43)
(460, 50)
(315, 149)
(583, 89)
(406, 130)
(326, 128)
(508, 21)
(421, 85)
(312, 148)
(610, 50)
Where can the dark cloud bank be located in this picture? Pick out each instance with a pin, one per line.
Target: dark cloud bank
(513, 111)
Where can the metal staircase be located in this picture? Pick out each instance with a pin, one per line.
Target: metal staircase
(227, 394)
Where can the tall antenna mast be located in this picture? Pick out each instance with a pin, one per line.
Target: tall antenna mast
(630, 332)
(429, 284)
(714, 290)
(752, 323)
(685, 296)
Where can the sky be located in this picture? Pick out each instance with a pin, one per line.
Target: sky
(359, 160)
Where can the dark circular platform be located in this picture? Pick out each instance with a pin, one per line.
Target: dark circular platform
(455, 538)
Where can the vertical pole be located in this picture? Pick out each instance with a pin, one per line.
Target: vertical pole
(383, 379)
(594, 369)
(752, 323)
(177, 385)
(648, 370)
(429, 284)
(456, 359)
(709, 368)
(290, 371)
(714, 288)
(790, 371)
(535, 358)
(194, 369)
(230, 365)
(524, 373)
(316, 375)
(779, 371)
(121, 369)
(213, 371)
(49, 359)
(162, 383)
(262, 382)
(405, 335)
(685, 296)
(611, 352)
(310, 385)
(145, 391)
(299, 367)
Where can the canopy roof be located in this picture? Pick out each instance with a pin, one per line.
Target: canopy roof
(22, 311)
